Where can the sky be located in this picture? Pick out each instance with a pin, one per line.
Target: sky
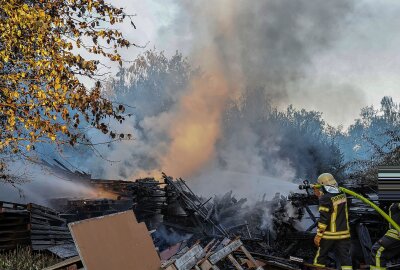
(357, 68)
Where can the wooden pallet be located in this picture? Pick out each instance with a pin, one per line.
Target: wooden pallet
(207, 258)
(31, 224)
(47, 228)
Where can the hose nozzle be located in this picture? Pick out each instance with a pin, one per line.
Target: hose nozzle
(305, 185)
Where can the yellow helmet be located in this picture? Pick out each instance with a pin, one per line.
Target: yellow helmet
(327, 179)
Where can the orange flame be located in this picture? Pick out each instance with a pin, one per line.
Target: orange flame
(197, 125)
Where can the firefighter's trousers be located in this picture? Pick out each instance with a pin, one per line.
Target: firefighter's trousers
(385, 249)
(341, 248)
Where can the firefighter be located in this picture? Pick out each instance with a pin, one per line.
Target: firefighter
(333, 232)
(388, 246)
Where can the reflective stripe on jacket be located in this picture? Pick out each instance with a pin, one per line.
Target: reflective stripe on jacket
(334, 217)
(394, 213)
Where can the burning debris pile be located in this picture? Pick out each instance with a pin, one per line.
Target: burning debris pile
(178, 219)
(181, 222)
(176, 213)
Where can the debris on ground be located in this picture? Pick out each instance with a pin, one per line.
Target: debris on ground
(184, 229)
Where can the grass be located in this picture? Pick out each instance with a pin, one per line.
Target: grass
(23, 258)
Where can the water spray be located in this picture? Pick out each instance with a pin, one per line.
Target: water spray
(307, 186)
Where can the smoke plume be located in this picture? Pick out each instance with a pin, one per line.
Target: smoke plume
(210, 118)
(216, 124)
(258, 50)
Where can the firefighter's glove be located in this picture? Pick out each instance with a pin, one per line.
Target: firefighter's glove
(317, 192)
(317, 239)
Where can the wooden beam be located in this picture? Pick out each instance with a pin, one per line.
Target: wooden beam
(234, 262)
(250, 257)
(64, 264)
(190, 258)
(222, 253)
(207, 265)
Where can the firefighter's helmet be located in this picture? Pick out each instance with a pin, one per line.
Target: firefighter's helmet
(327, 179)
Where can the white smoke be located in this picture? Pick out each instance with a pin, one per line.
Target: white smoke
(183, 122)
(38, 184)
(256, 50)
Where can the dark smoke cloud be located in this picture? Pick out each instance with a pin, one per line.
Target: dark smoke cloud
(266, 47)
(260, 50)
(269, 42)
(252, 55)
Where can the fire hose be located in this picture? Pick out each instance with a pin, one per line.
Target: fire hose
(361, 198)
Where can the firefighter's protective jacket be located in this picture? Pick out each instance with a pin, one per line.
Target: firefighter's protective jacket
(334, 217)
(394, 213)
(388, 246)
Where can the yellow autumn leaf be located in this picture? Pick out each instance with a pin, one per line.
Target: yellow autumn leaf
(42, 68)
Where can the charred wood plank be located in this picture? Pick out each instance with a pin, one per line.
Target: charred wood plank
(44, 209)
(207, 265)
(34, 227)
(50, 242)
(10, 205)
(50, 237)
(11, 210)
(250, 257)
(42, 232)
(4, 233)
(183, 228)
(281, 263)
(43, 244)
(35, 219)
(235, 262)
(193, 206)
(41, 215)
(62, 265)
(9, 246)
(225, 251)
(19, 239)
(188, 260)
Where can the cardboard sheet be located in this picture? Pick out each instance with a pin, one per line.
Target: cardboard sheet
(115, 241)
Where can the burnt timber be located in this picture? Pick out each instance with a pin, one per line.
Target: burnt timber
(170, 208)
(31, 224)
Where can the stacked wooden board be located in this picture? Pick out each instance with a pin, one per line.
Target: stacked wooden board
(31, 224)
(47, 228)
(14, 220)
